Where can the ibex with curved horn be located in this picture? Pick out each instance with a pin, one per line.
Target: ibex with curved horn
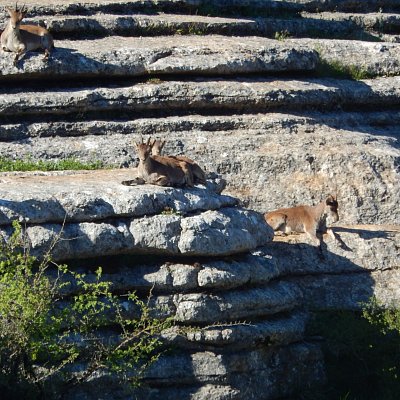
(162, 171)
(19, 38)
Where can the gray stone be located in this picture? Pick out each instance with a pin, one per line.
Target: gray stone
(356, 263)
(130, 56)
(373, 58)
(237, 305)
(143, 25)
(277, 331)
(94, 196)
(228, 231)
(266, 372)
(258, 94)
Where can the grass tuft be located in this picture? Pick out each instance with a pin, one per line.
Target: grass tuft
(9, 165)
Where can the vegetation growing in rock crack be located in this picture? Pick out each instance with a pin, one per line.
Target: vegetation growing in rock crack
(362, 353)
(336, 69)
(8, 165)
(43, 336)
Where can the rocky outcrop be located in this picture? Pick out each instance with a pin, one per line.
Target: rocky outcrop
(283, 121)
(234, 315)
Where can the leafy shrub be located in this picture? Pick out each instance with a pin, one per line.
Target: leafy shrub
(42, 335)
(362, 353)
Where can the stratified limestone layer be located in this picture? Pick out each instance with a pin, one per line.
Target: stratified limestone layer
(138, 219)
(356, 263)
(94, 196)
(132, 57)
(245, 94)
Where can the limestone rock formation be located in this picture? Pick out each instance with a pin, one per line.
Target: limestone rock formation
(242, 315)
(287, 101)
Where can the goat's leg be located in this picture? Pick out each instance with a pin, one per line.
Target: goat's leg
(46, 55)
(311, 231)
(159, 180)
(186, 168)
(20, 53)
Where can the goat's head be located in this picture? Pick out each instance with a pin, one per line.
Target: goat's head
(157, 147)
(16, 15)
(143, 150)
(331, 208)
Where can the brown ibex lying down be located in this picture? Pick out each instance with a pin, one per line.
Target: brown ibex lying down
(199, 175)
(309, 219)
(161, 172)
(19, 38)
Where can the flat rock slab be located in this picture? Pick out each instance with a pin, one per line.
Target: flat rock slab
(267, 372)
(93, 196)
(380, 22)
(173, 125)
(256, 94)
(356, 263)
(142, 25)
(123, 56)
(199, 308)
(273, 331)
(373, 58)
(181, 277)
(210, 233)
(357, 152)
(345, 249)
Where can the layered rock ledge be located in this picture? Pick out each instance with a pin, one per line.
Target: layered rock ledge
(226, 309)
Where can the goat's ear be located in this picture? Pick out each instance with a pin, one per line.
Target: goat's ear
(329, 200)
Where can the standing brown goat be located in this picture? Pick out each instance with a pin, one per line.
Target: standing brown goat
(309, 219)
(19, 38)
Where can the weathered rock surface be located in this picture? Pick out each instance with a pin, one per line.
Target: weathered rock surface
(244, 94)
(356, 154)
(258, 94)
(144, 25)
(82, 196)
(357, 262)
(123, 57)
(240, 308)
(373, 58)
(203, 375)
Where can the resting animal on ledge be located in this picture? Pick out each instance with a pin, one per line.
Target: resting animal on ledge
(19, 38)
(161, 171)
(199, 175)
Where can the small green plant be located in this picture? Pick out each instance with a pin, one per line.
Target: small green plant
(197, 29)
(42, 334)
(170, 211)
(335, 69)
(154, 81)
(8, 165)
(282, 35)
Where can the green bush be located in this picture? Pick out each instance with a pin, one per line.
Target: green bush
(40, 337)
(362, 353)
